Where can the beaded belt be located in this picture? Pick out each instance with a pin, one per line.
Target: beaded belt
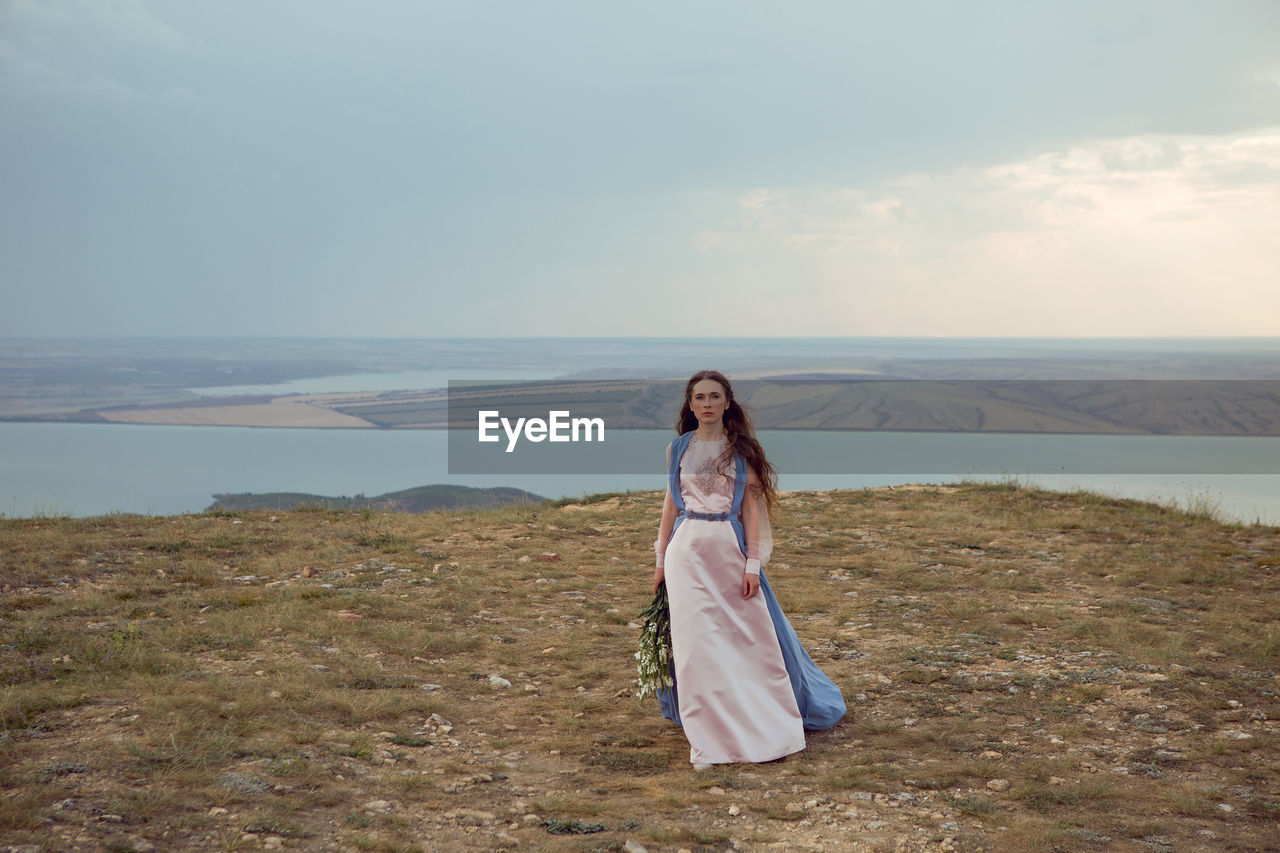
(707, 516)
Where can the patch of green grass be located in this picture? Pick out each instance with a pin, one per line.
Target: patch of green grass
(636, 762)
(572, 827)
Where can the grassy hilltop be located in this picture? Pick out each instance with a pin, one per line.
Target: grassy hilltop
(1025, 670)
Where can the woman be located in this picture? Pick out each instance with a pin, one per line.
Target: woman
(745, 688)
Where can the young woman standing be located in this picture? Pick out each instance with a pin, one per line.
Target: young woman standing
(745, 689)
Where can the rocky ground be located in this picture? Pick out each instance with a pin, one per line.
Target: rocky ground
(1024, 670)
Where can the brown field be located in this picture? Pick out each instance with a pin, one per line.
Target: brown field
(279, 412)
(1025, 670)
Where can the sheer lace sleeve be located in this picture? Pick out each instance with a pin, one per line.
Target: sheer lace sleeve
(755, 523)
(764, 531)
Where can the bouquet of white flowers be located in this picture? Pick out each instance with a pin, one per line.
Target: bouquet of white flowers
(653, 659)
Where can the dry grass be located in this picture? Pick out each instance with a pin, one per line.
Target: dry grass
(320, 680)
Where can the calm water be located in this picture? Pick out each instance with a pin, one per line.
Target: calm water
(355, 383)
(92, 469)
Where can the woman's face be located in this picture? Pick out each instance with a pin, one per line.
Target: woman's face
(708, 401)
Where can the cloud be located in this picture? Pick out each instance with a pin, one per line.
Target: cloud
(124, 20)
(101, 48)
(1131, 236)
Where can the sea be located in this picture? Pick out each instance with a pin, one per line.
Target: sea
(90, 469)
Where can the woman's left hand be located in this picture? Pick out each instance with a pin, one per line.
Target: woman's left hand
(750, 585)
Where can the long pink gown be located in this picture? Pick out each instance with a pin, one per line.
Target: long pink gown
(735, 698)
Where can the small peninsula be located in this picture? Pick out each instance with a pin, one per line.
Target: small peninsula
(420, 499)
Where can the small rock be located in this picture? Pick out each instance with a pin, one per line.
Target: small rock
(717, 790)
(377, 806)
(217, 811)
(1225, 807)
(633, 846)
(998, 784)
(308, 571)
(348, 616)
(242, 783)
(950, 826)
(472, 817)
(991, 754)
(795, 808)
(498, 681)
(734, 811)
(548, 556)
(1057, 780)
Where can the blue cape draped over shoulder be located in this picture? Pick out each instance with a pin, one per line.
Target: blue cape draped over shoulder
(818, 698)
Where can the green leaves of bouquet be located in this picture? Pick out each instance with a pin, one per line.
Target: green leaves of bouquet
(653, 658)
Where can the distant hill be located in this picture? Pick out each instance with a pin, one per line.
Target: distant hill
(816, 401)
(420, 499)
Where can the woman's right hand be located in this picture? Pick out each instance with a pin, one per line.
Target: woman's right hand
(659, 575)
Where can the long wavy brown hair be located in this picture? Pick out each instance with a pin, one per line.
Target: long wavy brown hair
(737, 429)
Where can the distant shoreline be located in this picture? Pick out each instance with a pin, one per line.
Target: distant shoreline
(811, 402)
(278, 383)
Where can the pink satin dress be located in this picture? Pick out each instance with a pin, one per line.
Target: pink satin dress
(735, 698)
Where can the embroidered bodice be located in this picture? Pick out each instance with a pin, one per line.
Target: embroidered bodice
(702, 485)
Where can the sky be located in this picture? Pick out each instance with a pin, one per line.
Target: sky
(407, 168)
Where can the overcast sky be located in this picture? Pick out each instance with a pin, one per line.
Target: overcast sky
(411, 168)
